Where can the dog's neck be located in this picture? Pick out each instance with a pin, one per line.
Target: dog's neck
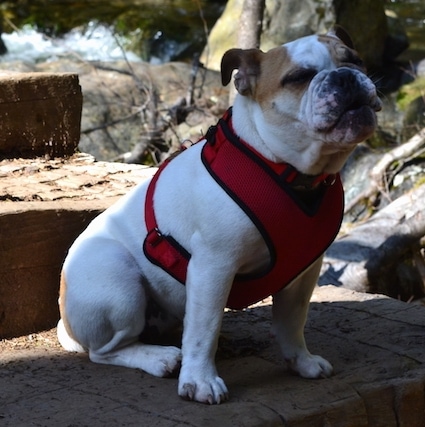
(295, 179)
(251, 125)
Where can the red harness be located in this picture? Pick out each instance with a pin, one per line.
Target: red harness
(298, 216)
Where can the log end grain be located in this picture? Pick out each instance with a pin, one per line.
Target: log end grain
(40, 115)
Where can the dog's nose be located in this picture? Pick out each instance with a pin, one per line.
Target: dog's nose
(356, 83)
(344, 78)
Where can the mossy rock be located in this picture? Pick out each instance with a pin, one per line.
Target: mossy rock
(411, 101)
(410, 92)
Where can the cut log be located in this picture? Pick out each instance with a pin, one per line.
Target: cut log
(35, 237)
(40, 114)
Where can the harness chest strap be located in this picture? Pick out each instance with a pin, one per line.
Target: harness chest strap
(296, 234)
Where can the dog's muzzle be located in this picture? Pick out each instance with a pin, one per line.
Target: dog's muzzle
(344, 105)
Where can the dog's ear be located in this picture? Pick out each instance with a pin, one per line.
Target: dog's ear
(247, 62)
(342, 34)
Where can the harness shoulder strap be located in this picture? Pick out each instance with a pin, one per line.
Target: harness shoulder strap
(159, 249)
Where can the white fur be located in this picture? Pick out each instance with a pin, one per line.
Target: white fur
(109, 281)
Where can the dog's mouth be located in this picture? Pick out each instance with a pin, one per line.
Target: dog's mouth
(354, 124)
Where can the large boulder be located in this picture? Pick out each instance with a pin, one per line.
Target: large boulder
(287, 20)
(410, 101)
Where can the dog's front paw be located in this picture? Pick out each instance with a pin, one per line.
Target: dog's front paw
(310, 366)
(203, 388)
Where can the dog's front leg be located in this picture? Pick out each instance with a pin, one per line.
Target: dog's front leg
(290, 309)
(208, 285)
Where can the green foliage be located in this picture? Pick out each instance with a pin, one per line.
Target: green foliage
(408, 93)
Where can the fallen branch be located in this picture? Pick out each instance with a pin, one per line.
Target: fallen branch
(380, 174)
(370, 257)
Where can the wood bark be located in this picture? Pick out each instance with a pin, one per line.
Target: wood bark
(250, 24)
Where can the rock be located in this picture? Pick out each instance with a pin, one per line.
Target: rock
(223, 35)
(366, 22)
(397, 41)
(288, 20)
(3, 48)
(116, 98)
(420, 68)
(45, 205)
(40, 114)
(411, 103)
(414, 118)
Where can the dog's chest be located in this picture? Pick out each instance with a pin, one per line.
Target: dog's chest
(297, 227)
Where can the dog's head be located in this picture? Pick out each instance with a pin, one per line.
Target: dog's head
(310, 98)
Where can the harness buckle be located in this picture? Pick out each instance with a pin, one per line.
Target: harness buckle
(154, 237)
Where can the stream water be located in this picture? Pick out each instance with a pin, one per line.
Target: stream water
(93, 42)
(153, 30)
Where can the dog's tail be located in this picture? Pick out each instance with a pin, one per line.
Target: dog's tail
(68, 343)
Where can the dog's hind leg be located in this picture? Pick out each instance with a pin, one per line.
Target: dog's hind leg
(103, 307)
(290, 309)
(66, 341)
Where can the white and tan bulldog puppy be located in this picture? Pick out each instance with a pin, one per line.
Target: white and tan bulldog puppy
(307, 104)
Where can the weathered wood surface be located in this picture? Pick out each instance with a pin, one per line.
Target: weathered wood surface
(78, 177)
(376, 345)
(44, 206)
(40, 114)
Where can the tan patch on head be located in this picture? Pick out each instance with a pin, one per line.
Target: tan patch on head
(62, 297)
(273, 66)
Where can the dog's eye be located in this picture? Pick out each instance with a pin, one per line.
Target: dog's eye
(351, 58)
(357, 61)
(302, 75)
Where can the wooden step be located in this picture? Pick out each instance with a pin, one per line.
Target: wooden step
(44, 206)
